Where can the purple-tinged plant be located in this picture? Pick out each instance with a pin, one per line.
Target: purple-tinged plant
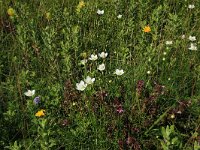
(36, 100)
(140, 86)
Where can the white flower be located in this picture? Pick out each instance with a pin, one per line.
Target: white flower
(100, 12)
(148, 72)
(101, 67)
(183, 36)
(164, 53)
(164, 59)
(191, 6)
(103, 55)
(119, 16)
(30, 93)
(168, 42)
(119, 72)
(89, 80)
(193, 47)
(84, 61)
(93, 57)
(81, 86)
(192, 38)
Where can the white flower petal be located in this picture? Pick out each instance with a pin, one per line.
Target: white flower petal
(101, 67)
(103, 55)
(29, 93)
(100, 12)
(119, 16)
(119, 72)
(93, 57)
(81, 86)
(89, 80)
(169, 42)
(192, 38)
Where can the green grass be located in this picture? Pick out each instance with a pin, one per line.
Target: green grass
(158, 94)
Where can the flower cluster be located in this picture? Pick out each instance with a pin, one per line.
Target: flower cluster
(191, 6)
(83, 84)
(101, 12)
(193, 46)
(36, 101)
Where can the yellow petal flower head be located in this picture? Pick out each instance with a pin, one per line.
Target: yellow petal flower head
(80, 5)
(40, 113)
(48, 16)
(11, 11)
(147, 29)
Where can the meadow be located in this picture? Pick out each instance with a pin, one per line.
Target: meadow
(100, 75)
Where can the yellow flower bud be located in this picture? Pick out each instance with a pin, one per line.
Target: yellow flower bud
(48, 16)
(11, 12)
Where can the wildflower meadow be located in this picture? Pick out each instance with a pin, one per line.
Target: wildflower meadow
(100, 75)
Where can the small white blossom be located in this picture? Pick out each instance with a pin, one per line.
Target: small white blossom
(183, 36)
(119, 16)
(148, 72)
(119, 72)
(89, 80)
(193, 47)
(103, 55)
(101, 67)
(164, 59)
(191, 6)
(93, 57)
(84, 61)
(168, 42)
(100, 12)
(30, 93)
(81, 86)
(192, 38)
(164, 53)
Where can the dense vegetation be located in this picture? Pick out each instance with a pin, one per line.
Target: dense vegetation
(107, 74)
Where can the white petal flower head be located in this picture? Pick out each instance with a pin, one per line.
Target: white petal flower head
(84, 61)
(119, 72)
(81, 86)
(89, 80)
(148, 72)
(192, 38)
(119, 16)
(101, 67)
(193, 47)
(183, 36)
(93, 57)
(169, 42)
(191, 6)
(30, 93)
(103, 55)
(100, 12)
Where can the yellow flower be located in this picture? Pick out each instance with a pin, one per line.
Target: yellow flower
(11, 11)
(48, 15)
(80, 5)
(147, 29)
(40, 113)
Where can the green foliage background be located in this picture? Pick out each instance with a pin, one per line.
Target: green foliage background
(43, 53)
